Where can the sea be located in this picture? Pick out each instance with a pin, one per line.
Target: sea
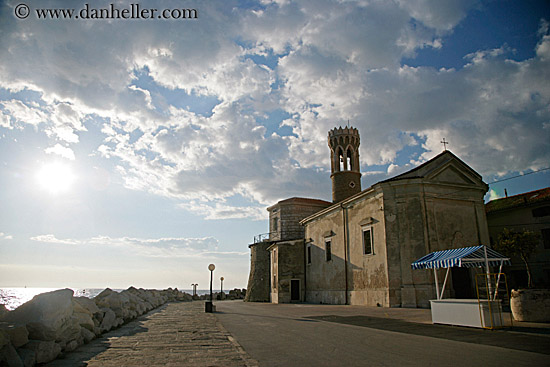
(15, 297)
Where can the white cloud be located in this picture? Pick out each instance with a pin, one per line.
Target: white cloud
(61, 151)
(4, 236)
(22, 113)
(493, 195)
(329, 62)
(442, 15)
(50, 238)
(148, 247)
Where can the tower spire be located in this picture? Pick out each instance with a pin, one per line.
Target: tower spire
(344, 158)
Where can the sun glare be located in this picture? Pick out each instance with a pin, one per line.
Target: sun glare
(55, 177)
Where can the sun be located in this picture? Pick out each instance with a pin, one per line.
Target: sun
(55, 177)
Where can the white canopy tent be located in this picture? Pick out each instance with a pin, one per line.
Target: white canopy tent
(463, 311)
(468, 257)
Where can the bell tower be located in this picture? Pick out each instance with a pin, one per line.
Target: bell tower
(344, 162)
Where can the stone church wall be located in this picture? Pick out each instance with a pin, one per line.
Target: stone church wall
(326, 279)
(367, 273)
(259, 278)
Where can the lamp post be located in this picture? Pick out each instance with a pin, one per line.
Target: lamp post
(209, 307)
(194, 285)
(221, 288)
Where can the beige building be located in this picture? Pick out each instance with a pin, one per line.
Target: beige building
(359, 248)
(529, 211)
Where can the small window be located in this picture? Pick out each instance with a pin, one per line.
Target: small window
(543, 211)
(367, 241)
(308, 254)
(328, 249)
(546, 238)
(275, 224)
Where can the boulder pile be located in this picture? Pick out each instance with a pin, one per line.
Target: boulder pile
(57, 322)
(233, 294)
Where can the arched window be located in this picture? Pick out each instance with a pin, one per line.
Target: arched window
(349, 159)
(340, 158)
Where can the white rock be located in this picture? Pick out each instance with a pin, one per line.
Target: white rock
(9, 357)
(4, 338)
(108, 321)
(45, 351)
(28, 357)
(17, 333)
(87, 303)
(45, 315)
(87, 335)
(85, 320)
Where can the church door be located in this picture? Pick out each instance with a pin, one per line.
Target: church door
(294, 290)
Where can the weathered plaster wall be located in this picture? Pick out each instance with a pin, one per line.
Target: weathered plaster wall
(259, 278)
(406, 242)
(367, 273)
(289, 266)
(288, 214)
(425, 217)
(326, 279)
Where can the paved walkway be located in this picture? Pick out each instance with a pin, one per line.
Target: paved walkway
(182, 334)
(333, 335)
(176, 334)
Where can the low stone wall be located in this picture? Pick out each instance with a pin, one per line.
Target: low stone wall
(57, 322)
(532, 305)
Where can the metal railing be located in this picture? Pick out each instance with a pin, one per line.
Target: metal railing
(278, 236)
(263, 237)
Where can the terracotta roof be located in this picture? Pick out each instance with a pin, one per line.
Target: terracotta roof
(296, 200)
(518, 200)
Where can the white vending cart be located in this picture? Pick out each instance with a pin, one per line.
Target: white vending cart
(484, 313)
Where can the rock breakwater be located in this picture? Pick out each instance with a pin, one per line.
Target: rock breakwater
(56, 322)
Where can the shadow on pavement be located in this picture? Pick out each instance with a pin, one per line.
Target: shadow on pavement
(84, 353)
(511, 338)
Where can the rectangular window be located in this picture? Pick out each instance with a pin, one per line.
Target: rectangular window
(543, 211)
(546, 238)
(367, 241)
(328, 249)
(308, 254)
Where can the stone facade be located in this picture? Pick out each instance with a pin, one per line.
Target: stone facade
(359, 249)
(284, 226)
(528, 211)
(287, 271)
(375, 235)
(344, 162)
(258, 281)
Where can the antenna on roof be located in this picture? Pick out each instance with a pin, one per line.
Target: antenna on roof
(444, 144)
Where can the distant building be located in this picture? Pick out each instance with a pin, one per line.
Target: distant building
(528, 211)
(359, 248)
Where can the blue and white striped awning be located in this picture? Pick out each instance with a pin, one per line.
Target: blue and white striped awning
(468, 257)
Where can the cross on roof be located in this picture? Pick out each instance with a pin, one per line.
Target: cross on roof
(444, 144)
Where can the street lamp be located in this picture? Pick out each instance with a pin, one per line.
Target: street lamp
(221, 288)
(194, 285)
(209, 307)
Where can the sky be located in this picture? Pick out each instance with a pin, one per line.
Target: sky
(138, 151)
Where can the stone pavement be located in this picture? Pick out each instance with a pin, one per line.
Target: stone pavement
(176, 334)
(182, 334)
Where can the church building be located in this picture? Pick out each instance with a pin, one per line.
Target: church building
(358, 249)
